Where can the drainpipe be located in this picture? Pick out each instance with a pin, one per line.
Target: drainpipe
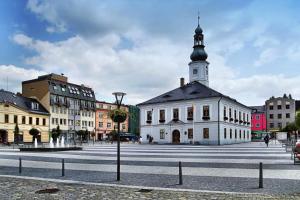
(219, 120)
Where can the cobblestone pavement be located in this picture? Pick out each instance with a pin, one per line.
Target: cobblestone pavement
(229, 168)
(17, 188)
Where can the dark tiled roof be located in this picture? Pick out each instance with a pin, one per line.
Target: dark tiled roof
(194, 90)
(297, 102)
(23, 103)
(71, 90)
(257, 109)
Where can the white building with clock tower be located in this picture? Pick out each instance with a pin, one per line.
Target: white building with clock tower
(194, 113)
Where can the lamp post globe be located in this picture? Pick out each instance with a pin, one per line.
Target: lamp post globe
(119, 97)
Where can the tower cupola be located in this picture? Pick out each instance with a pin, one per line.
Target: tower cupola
(198, 68)
(198, 52)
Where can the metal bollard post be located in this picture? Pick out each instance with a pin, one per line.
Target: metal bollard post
(180, 173)
(260, 175)
(20, 165)
(63, 167)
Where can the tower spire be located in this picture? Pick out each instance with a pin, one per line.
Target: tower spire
(198, 17)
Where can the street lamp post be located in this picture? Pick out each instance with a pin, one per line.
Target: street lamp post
(119, 97)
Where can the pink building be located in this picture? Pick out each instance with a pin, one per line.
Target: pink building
(258, 118)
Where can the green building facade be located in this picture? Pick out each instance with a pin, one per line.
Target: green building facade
(134, 118)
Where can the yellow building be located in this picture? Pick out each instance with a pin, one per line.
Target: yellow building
(27, 113)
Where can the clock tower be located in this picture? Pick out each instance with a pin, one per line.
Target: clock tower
(198, 67)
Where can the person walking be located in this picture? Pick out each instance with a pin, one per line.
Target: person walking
(267, 139)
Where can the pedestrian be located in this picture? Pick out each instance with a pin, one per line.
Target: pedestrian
(141, 140)
(267, 139)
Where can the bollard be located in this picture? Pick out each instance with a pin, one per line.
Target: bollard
(180, 173)
(63, 167)
(260, 175)
(20, 165)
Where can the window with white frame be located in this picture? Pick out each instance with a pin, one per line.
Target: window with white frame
(162, 133)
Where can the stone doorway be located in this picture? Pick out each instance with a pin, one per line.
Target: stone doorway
(176, 137)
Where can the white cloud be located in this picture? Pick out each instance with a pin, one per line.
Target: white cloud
(11, 77)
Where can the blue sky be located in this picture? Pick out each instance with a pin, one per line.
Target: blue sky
(143, 47)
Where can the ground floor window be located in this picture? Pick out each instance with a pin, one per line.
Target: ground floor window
(190, 133)
(225, 134)
(244, 134)
(240, 134)
(230, 133)
(235, 133)
(162, 133)
(206, 133)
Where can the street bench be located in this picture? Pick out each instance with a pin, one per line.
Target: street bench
(296, 152)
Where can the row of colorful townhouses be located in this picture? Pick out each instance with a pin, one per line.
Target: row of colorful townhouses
(276, 114)
(51, 101)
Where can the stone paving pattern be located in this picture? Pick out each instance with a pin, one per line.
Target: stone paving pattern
(230, 168)
(13, 189)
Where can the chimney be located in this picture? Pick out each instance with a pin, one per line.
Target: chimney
(181, 82)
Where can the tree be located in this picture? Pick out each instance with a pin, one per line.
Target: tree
(56, 133)
(17, 132)
(297, 120)
(82, 134)
(34, 132)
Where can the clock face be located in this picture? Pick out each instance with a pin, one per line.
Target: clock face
(195, 71)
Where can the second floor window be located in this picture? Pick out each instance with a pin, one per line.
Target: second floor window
(279, 107)
(175, 114)
(271, 107)
(30, 120)
(23, 120)
(44, 122)
(161, 115)
(279, 116)
(37, 121)
(224, 111)
(230, 116)
(108, 125)
(287, 106)
(287, 115)
(100, 124)
(149, 116)
(190, 113)
(15, 119)
(206, 111)
(271, 116)
(6, 120)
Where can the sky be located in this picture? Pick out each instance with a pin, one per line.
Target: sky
(142, 48)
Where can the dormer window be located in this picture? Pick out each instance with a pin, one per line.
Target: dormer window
(34, 106)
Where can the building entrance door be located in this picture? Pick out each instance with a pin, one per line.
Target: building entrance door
(176, 137)
(3, 136)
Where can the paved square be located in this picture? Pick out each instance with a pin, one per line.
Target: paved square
(231, 168)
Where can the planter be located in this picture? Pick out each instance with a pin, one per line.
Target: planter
(225, 118)
(118, 115)
(148, 121)
(162, 121)
(190, 118)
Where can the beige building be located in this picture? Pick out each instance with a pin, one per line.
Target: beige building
(28, 113)
(71, 106)
(104, 124)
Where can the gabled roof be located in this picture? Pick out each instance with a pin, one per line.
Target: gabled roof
(21, 102)
(193, 90)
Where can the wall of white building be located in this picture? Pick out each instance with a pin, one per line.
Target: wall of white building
(197, 124)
